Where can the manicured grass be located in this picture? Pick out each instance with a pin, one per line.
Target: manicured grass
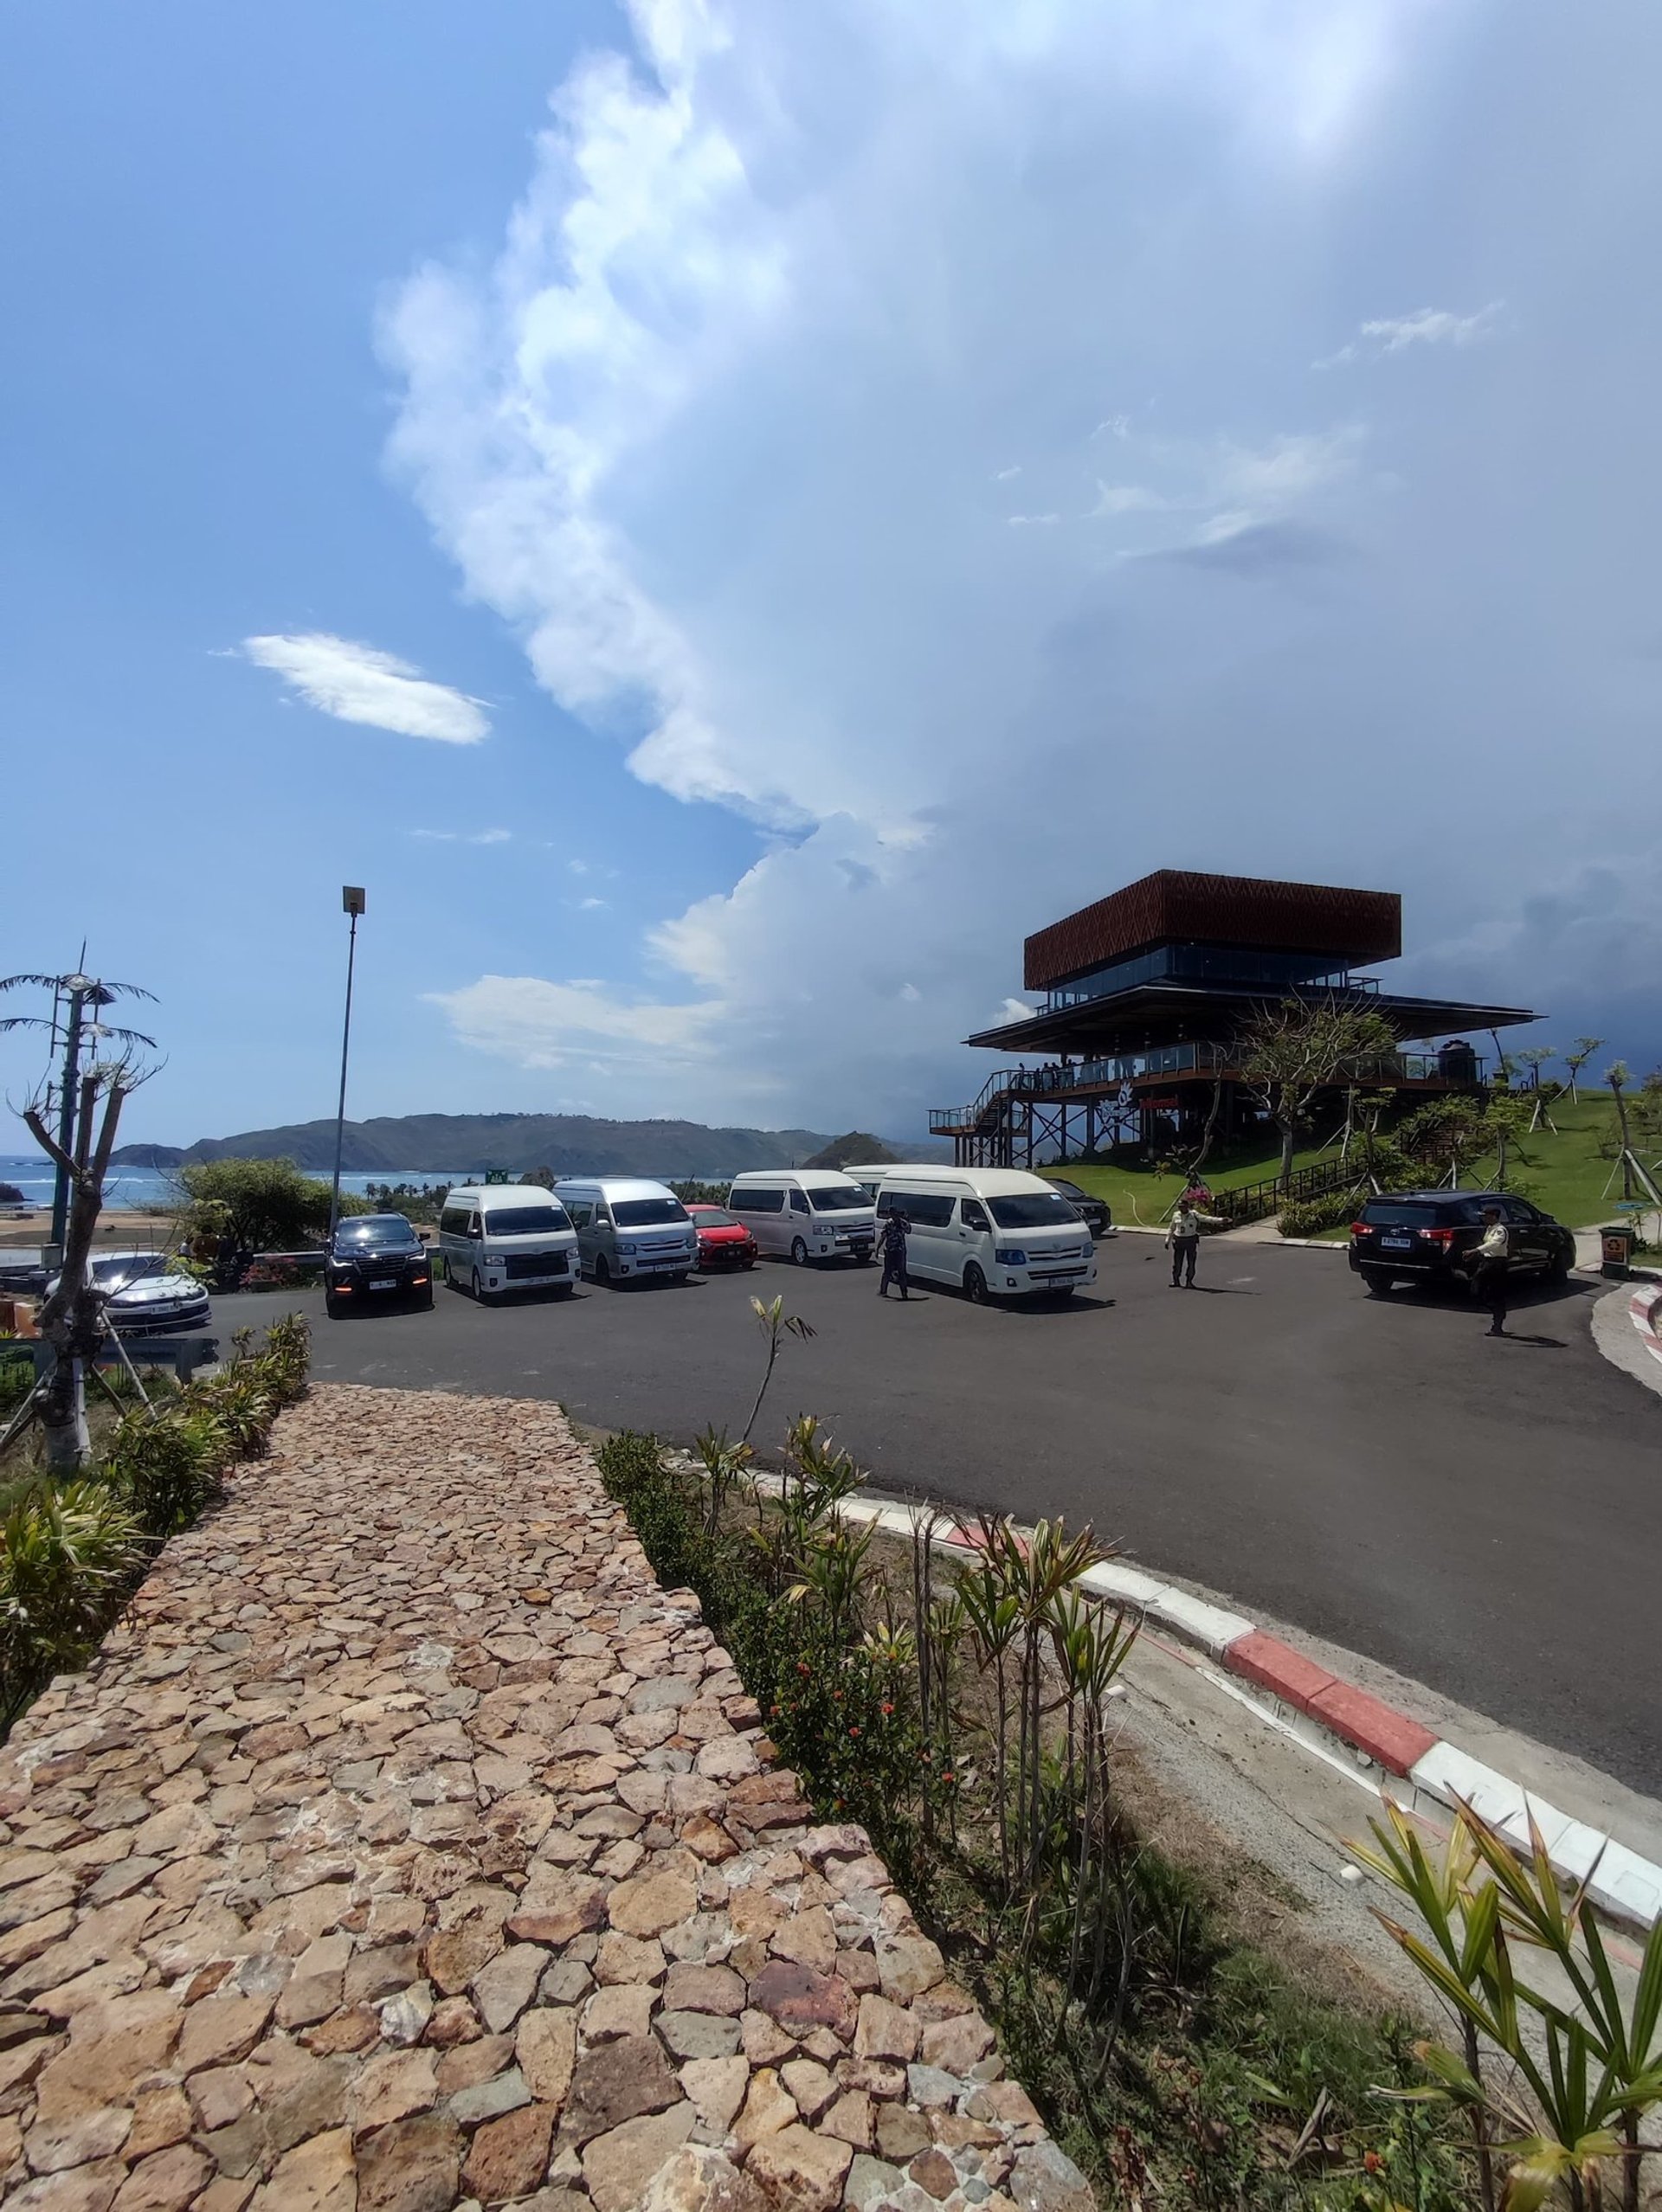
(1142, 1195)
(1562, 1171)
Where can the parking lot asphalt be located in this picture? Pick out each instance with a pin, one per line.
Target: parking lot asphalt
(1484, 1516)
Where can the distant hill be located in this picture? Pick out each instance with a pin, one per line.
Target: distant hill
(571, 1144)
(864, 1151)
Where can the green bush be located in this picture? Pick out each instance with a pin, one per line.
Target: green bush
(167, 1465)
(66, 1554)
(1309, 1217)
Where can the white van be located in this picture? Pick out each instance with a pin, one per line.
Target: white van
(991, 1232)
(628, 1228)
(870, 1179)
(807, 1212)
(497, 1237)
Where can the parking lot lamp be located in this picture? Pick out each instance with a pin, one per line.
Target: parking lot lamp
(351, 900)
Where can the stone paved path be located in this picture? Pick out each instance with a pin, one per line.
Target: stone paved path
(408, 1848)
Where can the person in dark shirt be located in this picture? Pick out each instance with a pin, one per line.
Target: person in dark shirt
(892, 1244)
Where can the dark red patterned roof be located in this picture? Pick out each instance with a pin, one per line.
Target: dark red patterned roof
(1174, 905)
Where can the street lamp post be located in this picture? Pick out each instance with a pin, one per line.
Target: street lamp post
(351, 900)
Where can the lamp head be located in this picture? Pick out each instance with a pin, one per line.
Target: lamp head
(351, 899)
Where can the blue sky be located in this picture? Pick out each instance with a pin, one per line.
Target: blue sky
(862, 482)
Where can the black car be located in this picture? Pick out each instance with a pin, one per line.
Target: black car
(1096, 1213)
(375, 1259)
(1429, 1236)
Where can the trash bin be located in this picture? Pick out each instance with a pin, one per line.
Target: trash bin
(1616, 1248)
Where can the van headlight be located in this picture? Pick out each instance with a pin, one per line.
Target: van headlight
(628, 1249)
(1011, 1256)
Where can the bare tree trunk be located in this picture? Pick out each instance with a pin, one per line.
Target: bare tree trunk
(1288, 1145)
(70, 1320)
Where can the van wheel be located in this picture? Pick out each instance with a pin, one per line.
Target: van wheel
(602, 1271)
(452, 1278)
(975, 1286)
(477, 1289)
(798, 1252)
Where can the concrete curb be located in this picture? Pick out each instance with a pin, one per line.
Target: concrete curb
(1626, 1325)
(1315, 1703)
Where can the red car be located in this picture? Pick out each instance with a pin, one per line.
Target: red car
(723, 1241)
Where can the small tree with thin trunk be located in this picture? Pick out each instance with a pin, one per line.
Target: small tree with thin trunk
(1577, 1059)
(72, 1320)
(1291, 1051)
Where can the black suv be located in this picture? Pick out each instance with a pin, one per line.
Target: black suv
(1095, 1213)
(375, 1258)
(1429, 1236)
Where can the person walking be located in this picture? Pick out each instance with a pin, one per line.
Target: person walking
(892, 1244)
(1490, 1265)
(1183, 1240)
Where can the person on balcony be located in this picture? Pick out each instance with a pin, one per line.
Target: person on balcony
(1183, 1240)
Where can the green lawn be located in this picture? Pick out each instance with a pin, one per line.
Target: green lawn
(1562, 1172)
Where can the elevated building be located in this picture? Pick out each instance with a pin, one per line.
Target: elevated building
(1145, 996)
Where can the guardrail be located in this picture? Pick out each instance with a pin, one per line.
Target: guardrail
(1245, 1202)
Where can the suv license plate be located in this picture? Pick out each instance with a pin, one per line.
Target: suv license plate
(1397, 1243)
(388, 1284)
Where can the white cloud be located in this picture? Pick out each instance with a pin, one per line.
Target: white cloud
(1031, 522)
(1003, 475)
(535, 1023)
(1018, 1010)
(356, 683)
(465, 837)
(1427, 326)
(712, 435)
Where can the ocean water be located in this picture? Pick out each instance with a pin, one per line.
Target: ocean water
(154, 1187)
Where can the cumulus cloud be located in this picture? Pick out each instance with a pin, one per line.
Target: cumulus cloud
(356, 683)
(1428, 326)
(465, 837)
(535, 1023)
(720, 434)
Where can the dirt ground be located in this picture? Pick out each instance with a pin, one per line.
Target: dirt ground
(119, 1228)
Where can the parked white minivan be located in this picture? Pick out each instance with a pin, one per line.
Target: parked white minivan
(807, 1213)
(991, 1232)
(628, 1227)
(497, 1237)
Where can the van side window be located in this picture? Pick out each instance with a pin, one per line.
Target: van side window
(579, 1210)
(798, 1199)
(973, 1214)
(759, 1199)
(925, 1209)
(453, 1222)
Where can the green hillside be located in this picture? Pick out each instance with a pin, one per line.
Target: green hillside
(1562, 1172)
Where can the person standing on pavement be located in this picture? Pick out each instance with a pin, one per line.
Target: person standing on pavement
(1183, 1240)
(892, 1243)
(1490, 1265)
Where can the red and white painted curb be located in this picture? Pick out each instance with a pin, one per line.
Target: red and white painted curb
(1644, 1311)
(1411, 1762)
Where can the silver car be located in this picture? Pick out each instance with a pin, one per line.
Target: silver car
(145, 1295)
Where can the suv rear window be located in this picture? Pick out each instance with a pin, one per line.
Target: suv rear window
(1386, 1213)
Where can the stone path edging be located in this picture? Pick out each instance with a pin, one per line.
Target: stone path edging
(1626, 1325)
(1625, 1884)
(407, 1848)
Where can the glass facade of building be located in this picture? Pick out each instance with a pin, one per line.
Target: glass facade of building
(1244, 967)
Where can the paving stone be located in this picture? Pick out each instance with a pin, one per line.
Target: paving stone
(717, 2087)
(507, 2157)
(413, 2165)
(616, 2082)
(618, 2166)
(800, 2169)
(546, 2047)
(405, 1827)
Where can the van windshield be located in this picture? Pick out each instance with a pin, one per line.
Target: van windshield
(1037, 1210)
(647, 1213)
(523, 1220)
(832, 1201)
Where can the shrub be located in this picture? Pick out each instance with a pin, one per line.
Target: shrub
(65, 1556)
(1309, 1217)
(167, 1465)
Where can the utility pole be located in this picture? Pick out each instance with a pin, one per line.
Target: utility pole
(351, 900)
